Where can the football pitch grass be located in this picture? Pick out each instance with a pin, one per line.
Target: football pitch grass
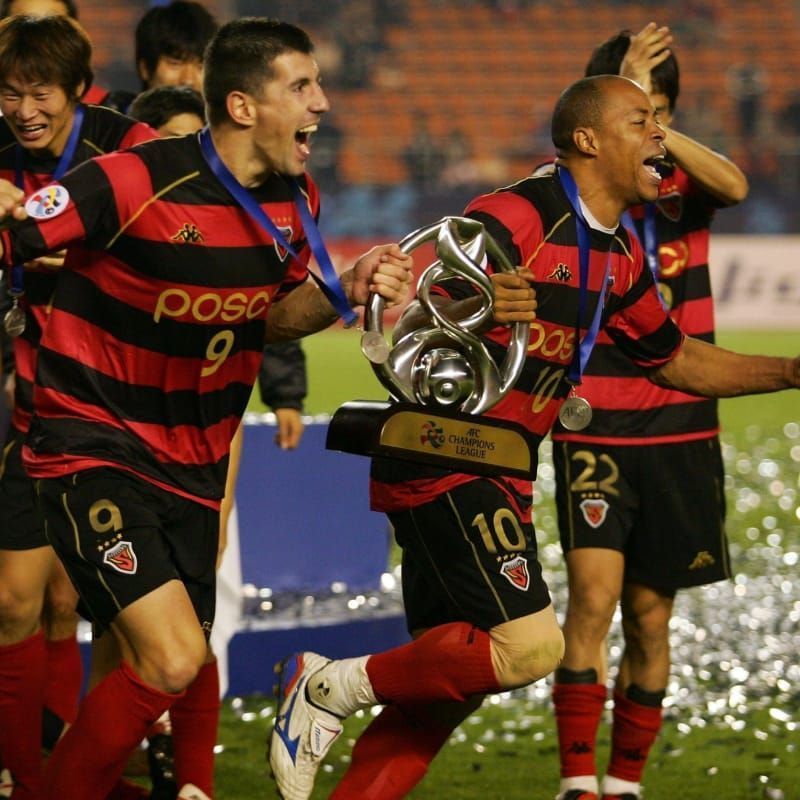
(732, 723)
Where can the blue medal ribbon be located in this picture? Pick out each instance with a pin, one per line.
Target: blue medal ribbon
(650, 243)
(581, 355)
(329, 283)
(16, 289)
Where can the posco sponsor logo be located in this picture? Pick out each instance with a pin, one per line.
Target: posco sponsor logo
(556, 344)
(211, 306)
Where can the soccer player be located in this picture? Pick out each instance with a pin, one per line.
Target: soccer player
(474, 595)
(39, 8)
(181, 749)
(640, 489)
(168, 49)
(45, 130)
(170, 110)
(177, 249)
(177, 110)
(170, 41)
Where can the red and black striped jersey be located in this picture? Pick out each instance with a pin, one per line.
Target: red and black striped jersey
(534, 224)
(158, 319)
(102, 131)
(627, 409)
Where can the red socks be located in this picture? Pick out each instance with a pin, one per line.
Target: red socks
(636, 727)
(112, 720)
(449, 662)
(64, 678)
(195, 718)
(578, 707)
(22, 675)
(392, 755)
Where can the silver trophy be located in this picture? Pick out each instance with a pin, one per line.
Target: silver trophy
(442, 376)
(445, 364)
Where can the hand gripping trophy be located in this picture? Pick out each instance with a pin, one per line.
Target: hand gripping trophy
(441, 376)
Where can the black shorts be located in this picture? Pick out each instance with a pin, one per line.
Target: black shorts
(120, 537)
(663, 506)
(21, 524)
(468, 557)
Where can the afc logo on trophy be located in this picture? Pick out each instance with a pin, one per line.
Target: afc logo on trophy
(432, 434)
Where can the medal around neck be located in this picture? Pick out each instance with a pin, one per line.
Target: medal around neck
(14, 320)
(441, 376)
(575, 413)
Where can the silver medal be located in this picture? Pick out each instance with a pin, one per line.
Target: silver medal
(14, 320)
(575, 414)
(375, 347)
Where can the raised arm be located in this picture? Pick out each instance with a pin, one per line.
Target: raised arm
(712, 171)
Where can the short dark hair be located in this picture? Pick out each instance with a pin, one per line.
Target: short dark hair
(240, 56)
(607, 59)
(51, 49)
(69, 5)
(179, 30)
(159, 105)
(580, 104)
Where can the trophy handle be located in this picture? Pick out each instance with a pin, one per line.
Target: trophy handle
(462, 244)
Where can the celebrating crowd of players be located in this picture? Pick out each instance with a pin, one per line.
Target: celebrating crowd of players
(138, 285)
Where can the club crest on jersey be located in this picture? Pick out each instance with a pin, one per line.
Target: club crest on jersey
(671, 205)
(594, 511)
(122, 558)
(48, 202)
(286, 232)
(516, 571)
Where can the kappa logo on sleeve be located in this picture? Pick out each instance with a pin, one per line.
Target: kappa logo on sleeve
(594, 511)
(122, 557)
(48, 202)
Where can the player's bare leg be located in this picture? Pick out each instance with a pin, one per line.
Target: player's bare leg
(195, 720)
(105, 659)
(640, 686)
(393, 754)
(163, 647)
(579, 694)
(452, 662)
(64, 666)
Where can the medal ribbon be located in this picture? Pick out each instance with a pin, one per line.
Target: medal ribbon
(650, 243)
(17, 271)
(329, 283)
(581, 355)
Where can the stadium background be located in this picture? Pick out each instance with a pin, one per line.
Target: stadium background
(481, 77)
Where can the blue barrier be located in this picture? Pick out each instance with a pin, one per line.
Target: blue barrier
(304, 516)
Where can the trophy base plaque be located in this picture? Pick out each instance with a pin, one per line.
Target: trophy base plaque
(448, 439)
